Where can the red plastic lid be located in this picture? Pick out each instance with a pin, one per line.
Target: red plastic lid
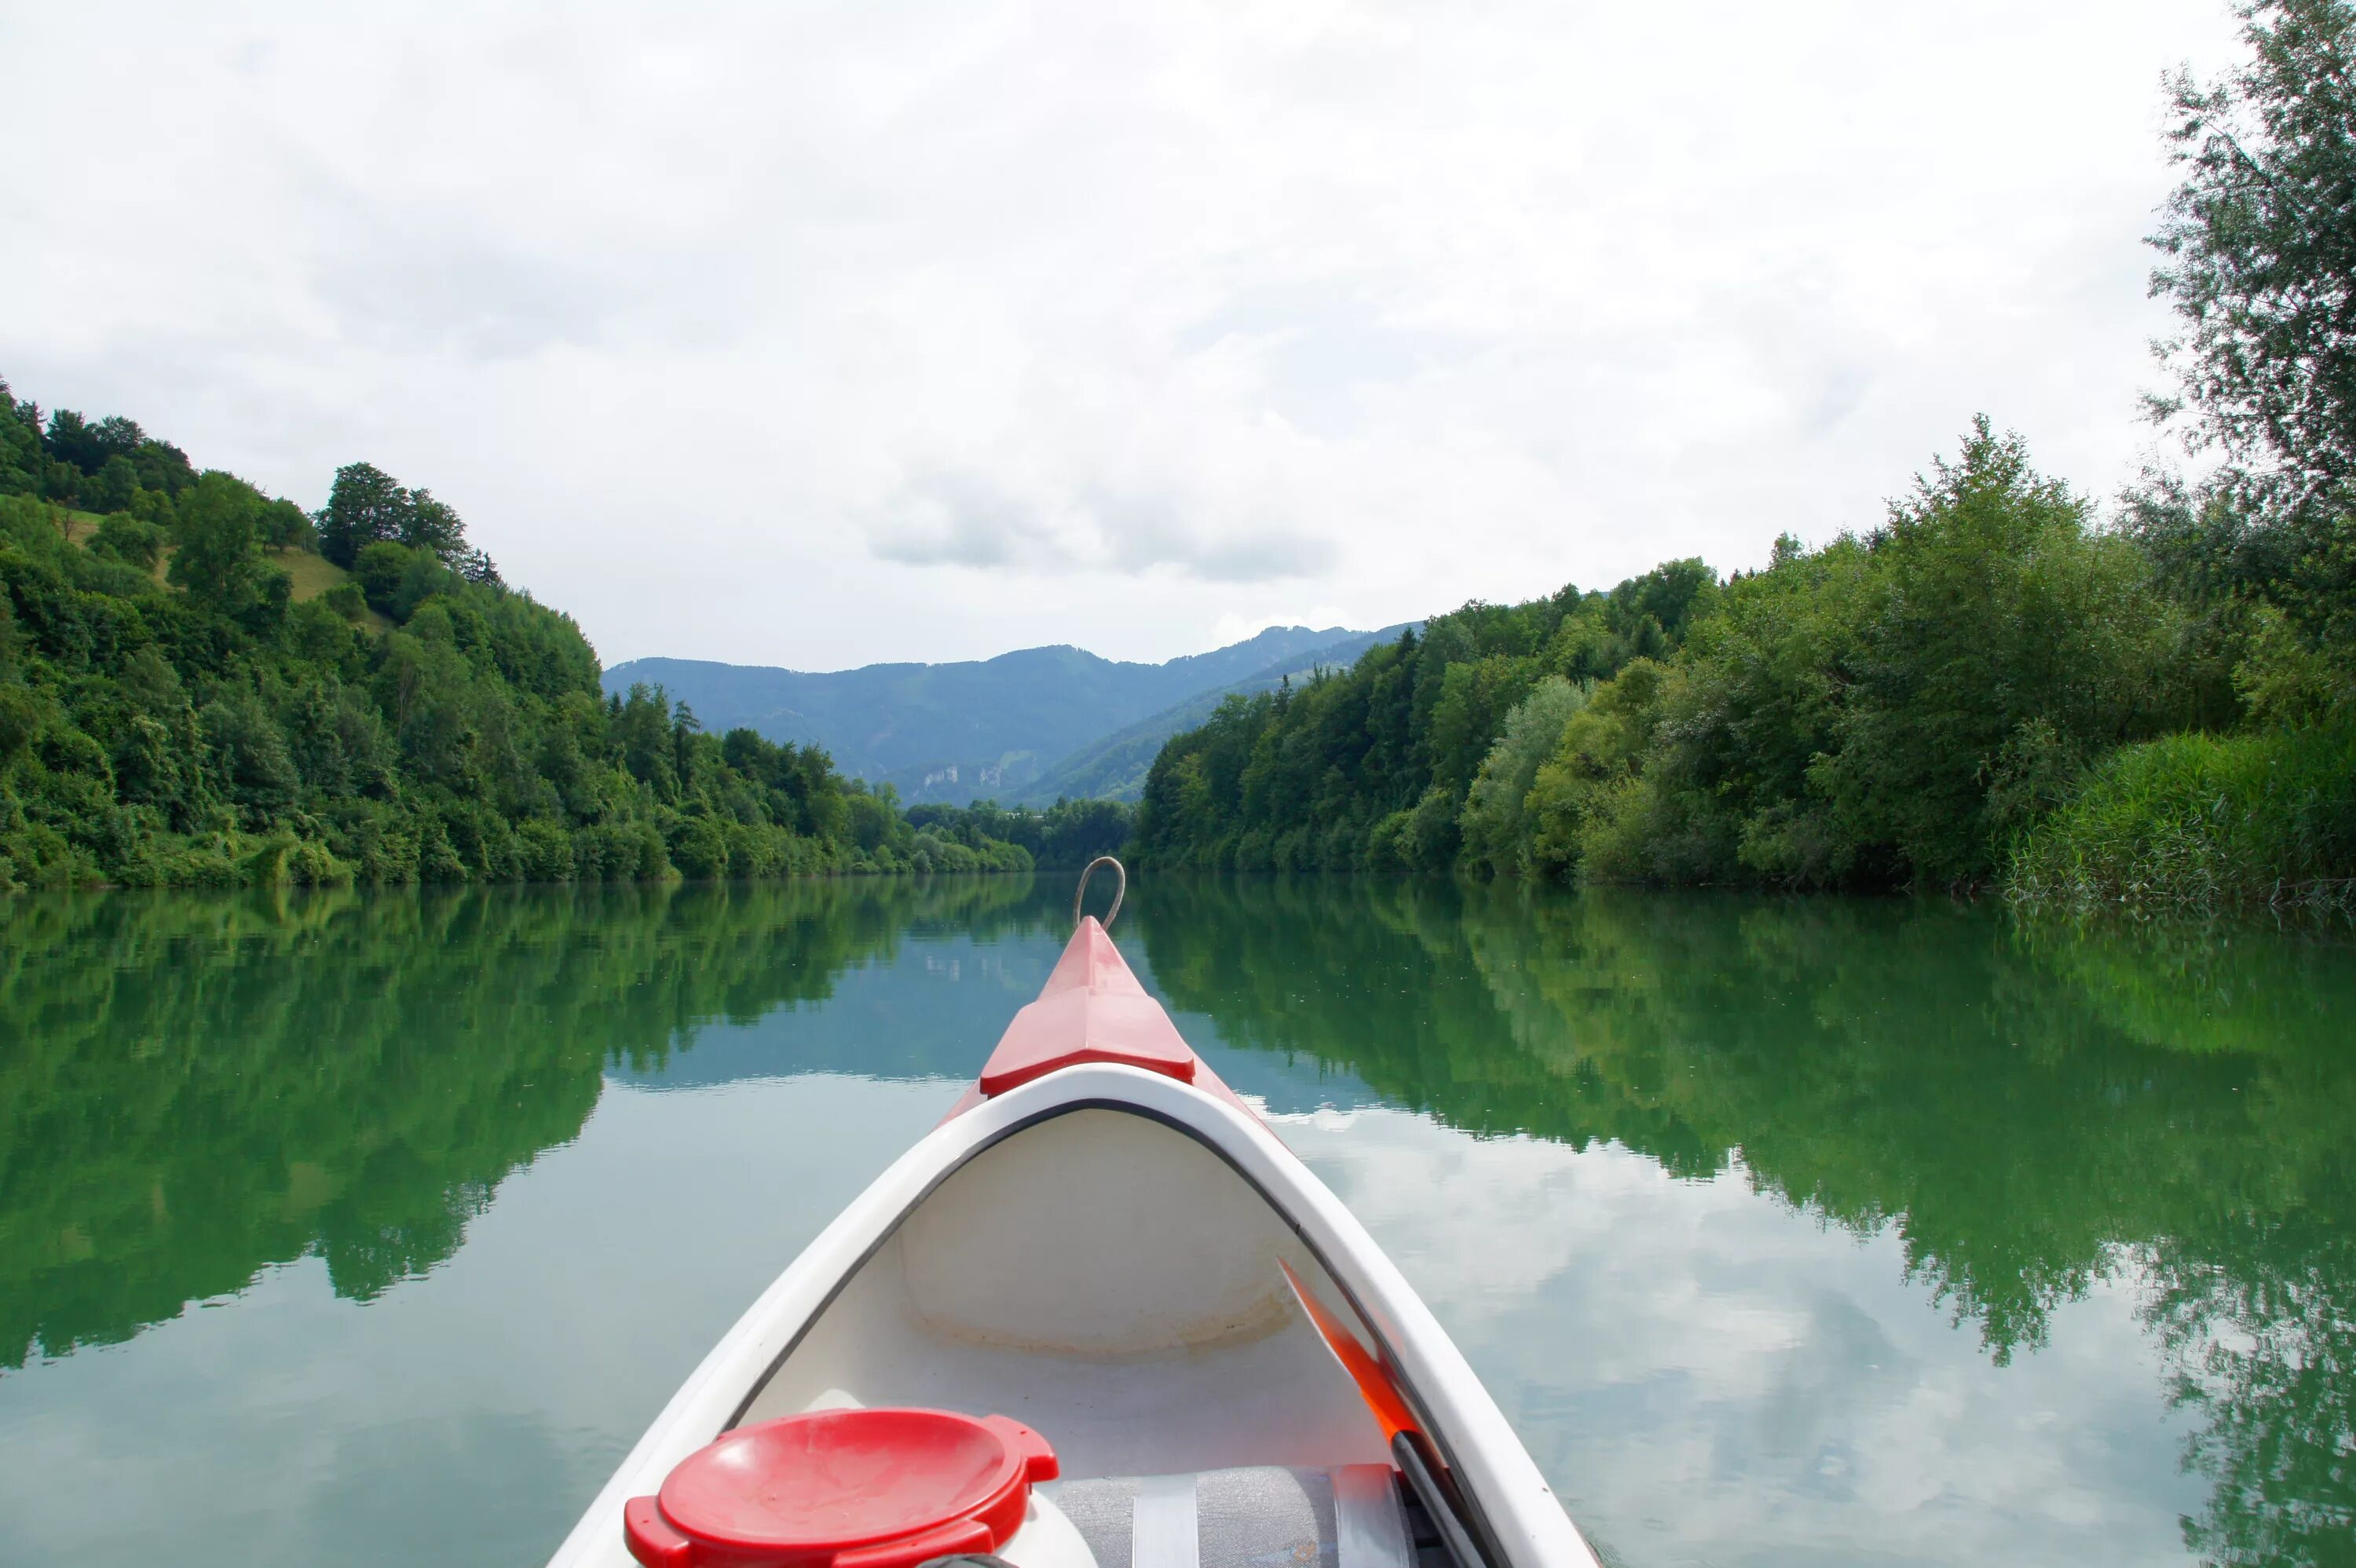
(1091, 1010)
(843, 1488)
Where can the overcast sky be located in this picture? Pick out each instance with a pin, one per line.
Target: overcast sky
(823, 335)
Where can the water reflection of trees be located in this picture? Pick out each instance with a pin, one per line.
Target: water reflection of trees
(2258, 1312)
(2027, 1108)
(192, 1089)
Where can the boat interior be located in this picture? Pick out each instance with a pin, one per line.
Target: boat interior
(1113, 1284)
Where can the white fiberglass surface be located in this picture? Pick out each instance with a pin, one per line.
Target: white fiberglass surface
(1107, 1281)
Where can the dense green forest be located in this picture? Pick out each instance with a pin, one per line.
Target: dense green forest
(201, 684)
(1995, 684)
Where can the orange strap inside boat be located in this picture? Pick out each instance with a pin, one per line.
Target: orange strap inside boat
(1376, 1385)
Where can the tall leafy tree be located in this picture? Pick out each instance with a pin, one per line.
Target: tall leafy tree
(89, 444)
(20, 444)
(216, 562)
(366, 505)
(2258, 247)
(429, 524)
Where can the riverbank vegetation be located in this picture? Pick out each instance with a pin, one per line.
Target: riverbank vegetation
(202, 685)
(1988, 689)
(1997, 685)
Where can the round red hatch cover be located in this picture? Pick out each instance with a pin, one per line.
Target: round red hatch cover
(843, 1488)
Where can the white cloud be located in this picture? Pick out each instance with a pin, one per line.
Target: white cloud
(839, 332)
(1708, 1375)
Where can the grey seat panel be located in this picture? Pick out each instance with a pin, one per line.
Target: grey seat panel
(1257, 1517)
(1102, 1511)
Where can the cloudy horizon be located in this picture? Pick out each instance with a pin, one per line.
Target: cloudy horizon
(860, 333)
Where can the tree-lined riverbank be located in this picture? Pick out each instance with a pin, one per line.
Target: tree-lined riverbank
(1989, 689)
(1995, 685)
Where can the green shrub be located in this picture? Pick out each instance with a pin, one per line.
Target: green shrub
(379, 569)
(284, 860)
(2203, 821)
(346, 600)
(1431, 839)
(544, 851)
(129, 540)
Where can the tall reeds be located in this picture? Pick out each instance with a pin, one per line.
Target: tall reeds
(2204, 822)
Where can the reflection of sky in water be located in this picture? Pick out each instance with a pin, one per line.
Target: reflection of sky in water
(469, 1415)
(1706, 1373)
(934, 1011)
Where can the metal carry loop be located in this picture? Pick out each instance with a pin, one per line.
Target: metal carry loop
(1119, 890)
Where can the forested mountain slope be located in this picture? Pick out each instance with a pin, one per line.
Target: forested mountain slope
(955, 732)
(203, 684)
(1114, 767)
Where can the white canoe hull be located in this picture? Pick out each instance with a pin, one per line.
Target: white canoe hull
(1095, 1254)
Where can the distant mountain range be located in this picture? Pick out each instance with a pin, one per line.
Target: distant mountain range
(1023, 728)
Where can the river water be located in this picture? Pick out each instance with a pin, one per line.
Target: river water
(373, 1227)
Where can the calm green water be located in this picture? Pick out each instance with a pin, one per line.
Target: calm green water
(372, 1228)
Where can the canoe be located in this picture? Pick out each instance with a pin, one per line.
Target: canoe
(1099, 1316)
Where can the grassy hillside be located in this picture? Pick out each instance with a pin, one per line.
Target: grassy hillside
(309, 575)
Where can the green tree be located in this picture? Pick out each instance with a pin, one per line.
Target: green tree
(1598, 754)
(129, 540)
(20, 444)
(1373, 765)
(2258, 253)
(365, 507)
(89, 446)
(1494, 826)
(432, 526)
(2258, 262)
(1995, 606)
(216, 560)
(162, 467)
(211, 732)
(1864, 715)
(378, 569)
(115, 487)
(249, 756)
